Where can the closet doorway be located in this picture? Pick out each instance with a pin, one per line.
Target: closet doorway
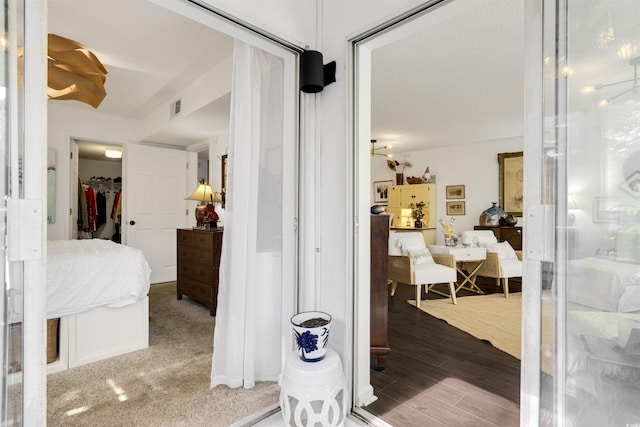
(96, 190)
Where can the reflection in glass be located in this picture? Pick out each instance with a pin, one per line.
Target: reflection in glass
(593, 360)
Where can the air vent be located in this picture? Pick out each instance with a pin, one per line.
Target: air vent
(176, 107)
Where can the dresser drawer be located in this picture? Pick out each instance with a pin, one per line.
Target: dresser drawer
(196, 239)
(195, 289)
(197, 272)
(191, 255)
(185, 237)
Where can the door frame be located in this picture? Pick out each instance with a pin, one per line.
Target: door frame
(73, 183)
(35, 109)
(360, 114)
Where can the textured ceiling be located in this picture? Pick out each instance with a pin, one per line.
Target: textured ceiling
(458, 80)
(151, 55)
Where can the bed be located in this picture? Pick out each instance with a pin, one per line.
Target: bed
(99, 290)
(605, 284)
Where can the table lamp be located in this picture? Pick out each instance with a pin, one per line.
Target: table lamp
(206, 215)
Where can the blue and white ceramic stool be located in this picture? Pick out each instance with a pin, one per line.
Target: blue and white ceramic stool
(313, 393)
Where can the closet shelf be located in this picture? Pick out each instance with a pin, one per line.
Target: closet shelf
(108, 184)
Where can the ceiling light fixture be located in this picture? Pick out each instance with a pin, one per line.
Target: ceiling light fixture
(384, 147)
(113, 154)
(634, 87)
(74, 72)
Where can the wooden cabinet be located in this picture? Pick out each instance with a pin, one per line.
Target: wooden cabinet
(379, 288)
(513, 235)
(400, 198)
(198, 265)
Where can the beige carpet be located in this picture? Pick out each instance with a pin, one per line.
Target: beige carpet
(166, 384)
(488, 317)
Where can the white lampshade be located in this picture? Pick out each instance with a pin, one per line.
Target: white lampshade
(204, 193)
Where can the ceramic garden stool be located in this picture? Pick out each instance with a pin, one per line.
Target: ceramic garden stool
(313, 393)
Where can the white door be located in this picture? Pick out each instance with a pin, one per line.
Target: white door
(156, 184)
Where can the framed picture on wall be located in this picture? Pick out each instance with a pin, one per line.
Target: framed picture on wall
(455, 208)
(380, 191)
(455, 191)
(511, 175)
(605, 210)
(632, 184)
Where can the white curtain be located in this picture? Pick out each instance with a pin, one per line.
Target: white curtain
(248, 330)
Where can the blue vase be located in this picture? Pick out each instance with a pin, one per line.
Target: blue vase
(492, 215)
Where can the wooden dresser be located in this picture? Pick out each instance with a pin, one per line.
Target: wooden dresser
(198, 265)
(513, 235)
(379, 288)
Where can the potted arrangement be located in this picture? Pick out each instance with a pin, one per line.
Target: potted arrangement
(417, 212)
(449, 229)
(311, 332)
(394, 164)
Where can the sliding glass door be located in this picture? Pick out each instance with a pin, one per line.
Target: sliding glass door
(11, 184)
(590, 197)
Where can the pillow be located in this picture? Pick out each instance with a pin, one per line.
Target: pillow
(626, 246)
(478, 238)
(420, 256)
(411, 243)
(503, 249)
(484, 241)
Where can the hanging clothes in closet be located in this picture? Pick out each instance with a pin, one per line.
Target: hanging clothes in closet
(116, 216)
(89, 212)
(97, 202)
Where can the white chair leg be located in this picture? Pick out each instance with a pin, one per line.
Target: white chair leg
(506, 287)
(394, 285)
(452, 292)
(418, 295)
(497, 281)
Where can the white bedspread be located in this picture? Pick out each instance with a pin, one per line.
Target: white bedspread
(84, 274)
(605, 284)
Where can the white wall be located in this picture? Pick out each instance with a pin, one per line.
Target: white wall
(65, 123)
(473, 165)
(96, 168)
(207, 88)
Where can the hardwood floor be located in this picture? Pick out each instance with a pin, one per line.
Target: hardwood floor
(437, 375)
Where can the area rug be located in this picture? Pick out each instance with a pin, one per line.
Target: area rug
(493, 318)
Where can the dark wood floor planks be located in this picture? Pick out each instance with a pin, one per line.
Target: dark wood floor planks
(437, 375)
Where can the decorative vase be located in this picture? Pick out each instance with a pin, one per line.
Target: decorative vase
(492, 215)
(399, 178)
(450, 241)
(311, 331)
(510, 220)
(377, 209)
(418, 224)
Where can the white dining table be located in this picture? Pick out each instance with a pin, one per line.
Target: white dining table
(463, 255)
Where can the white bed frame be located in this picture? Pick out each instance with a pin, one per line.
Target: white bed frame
(101, 333)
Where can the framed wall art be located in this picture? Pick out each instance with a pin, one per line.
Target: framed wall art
(455, 208)
(511, 176)
(632, 184)
(380, 191)
(605, 210)
(455, 191)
